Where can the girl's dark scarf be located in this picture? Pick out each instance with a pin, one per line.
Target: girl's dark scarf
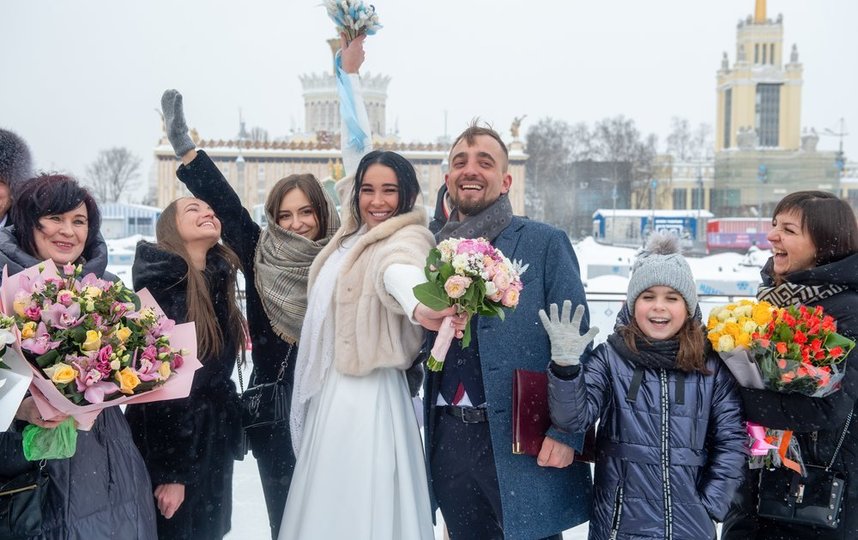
(653, 354)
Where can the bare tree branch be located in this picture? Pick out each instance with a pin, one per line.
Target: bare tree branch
(111, 173)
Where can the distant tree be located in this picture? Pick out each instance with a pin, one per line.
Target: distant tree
(258, 134)
(552, 145)
(617, 140)
(680, 139)
(687, 144)
(111, 174)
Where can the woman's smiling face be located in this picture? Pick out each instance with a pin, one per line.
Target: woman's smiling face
(792, 248)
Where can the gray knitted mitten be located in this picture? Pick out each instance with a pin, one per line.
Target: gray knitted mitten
(174, 120)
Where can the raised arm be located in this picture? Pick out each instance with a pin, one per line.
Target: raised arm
(355, 131)
(205, 181)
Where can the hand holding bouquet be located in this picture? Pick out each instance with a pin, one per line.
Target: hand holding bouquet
(352, 17)
(472, 275)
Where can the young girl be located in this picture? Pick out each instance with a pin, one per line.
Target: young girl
(670, 446)
(189, 444)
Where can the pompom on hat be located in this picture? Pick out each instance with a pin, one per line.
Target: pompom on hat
(661, 263)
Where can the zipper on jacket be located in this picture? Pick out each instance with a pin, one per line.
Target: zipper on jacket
(618, 513)
(665, 454)
(814, 436)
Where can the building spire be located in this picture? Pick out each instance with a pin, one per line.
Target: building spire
(760, 12)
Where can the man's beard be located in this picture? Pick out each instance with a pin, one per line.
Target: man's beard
(469, 207)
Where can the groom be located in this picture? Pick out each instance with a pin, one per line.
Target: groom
(483, 489)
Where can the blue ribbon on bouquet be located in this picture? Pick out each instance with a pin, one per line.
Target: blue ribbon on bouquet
(348, 111)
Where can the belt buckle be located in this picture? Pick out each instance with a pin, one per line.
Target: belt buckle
(471, 412)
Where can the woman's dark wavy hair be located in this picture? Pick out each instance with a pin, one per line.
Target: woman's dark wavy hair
(827, 219)
(409, 187)
(46, 195)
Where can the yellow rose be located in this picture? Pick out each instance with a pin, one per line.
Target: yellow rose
(725, 343)
(749, 326)
(93, 341)
(61, 373)
(164, 370)
(732, 328)
(123, 333)
(713, 339)
(744, 311)
(723, 314)
(127, 380)
(762, 313)
(92, 292)
(20, 304)
(29, 330)
(743, 340)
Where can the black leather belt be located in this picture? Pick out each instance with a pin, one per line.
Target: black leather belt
(468, 415)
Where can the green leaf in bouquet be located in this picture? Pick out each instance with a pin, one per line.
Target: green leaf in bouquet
(466, 338)
(77, 334)
(433, 260)
(432, 296)
(446, 270)
(838, 340)
(48, 359)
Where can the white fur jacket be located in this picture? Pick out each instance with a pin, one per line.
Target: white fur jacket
(372, 330)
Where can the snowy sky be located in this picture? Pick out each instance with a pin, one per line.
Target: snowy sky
(78, 77)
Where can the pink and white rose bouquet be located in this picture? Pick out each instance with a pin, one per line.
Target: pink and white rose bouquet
(472, 275)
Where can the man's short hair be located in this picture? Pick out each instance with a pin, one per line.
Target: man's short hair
(475, 130)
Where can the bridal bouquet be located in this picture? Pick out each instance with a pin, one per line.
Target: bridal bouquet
(352, 17)
(472, 275)
(93, 343)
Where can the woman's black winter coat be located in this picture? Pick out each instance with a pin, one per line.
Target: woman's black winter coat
(191, 441)
(817, 422)
(271, 446)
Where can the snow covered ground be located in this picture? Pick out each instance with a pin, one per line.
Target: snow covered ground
(604, 271)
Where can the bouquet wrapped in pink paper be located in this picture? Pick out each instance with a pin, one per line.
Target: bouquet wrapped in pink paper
(93, 343)
(474, 276)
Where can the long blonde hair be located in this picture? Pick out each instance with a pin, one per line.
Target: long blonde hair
(210, 339)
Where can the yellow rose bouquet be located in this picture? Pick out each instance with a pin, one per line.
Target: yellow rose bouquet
(93, 343)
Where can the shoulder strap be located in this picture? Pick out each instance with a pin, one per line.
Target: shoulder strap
(842, 438)
(637, 378)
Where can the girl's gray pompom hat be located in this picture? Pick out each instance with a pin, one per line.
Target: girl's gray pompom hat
(661, 263)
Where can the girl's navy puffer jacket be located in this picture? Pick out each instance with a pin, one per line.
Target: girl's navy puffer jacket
(669, 456)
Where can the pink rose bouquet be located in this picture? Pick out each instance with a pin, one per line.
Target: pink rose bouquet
(472, 275)
(93, 343)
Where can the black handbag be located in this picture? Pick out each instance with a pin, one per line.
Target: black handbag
(21, 502)
(812, 500)
(266, 404)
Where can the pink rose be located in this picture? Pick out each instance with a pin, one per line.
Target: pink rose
(457, 286)
(510, 298)
(501, 280)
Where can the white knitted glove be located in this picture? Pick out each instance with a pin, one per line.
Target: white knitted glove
(567, 343)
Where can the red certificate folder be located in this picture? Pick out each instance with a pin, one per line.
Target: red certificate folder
(530, 419)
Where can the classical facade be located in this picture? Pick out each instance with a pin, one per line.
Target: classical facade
(253, 167)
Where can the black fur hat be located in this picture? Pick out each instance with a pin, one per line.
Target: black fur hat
(15, 163)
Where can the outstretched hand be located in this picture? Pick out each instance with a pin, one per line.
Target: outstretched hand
(174, 121)
(352, 54)
(567, 342)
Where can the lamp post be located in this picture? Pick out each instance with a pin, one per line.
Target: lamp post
(762, 179)
(653, 184)
(614, 196)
